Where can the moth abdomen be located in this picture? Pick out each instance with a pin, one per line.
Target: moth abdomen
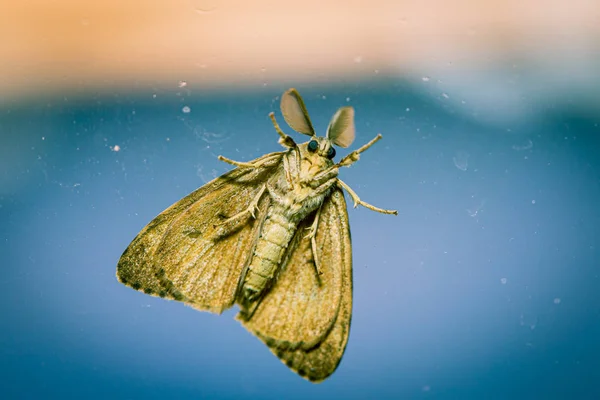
(272, 242)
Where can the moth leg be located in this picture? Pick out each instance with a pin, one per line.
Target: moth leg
(248, 165)
(358, 201)
(354, 156)
(322, 177)
(288, 172)
(284, 140)
(313, 243)
(252, 208)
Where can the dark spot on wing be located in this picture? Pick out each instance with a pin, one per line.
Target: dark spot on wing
(178, 296)
(285, 344)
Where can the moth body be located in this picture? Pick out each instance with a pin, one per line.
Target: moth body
(293, 197)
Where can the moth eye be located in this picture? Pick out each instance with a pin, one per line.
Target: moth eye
(313, 145)
(331, 153)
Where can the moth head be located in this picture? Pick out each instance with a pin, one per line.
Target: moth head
(318, 150)
(340, 131)
(315, 156)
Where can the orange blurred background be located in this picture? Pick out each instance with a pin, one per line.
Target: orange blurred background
(73, 46)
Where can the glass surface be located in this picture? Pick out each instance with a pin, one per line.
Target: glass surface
(485, 286)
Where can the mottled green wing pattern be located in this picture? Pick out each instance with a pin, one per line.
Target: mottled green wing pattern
(312, 343)
(161, 260)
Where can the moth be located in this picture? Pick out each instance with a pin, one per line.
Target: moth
(271, 236)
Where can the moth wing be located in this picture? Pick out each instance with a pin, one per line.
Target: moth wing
(305, 321)
(158, 260)
(295, 113)
(341, 130)
(318, 363)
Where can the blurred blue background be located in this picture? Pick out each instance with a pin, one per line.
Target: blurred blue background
(484, 286)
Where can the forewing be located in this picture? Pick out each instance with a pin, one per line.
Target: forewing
(295, 113)
(341, 129)
(158, 260)
(305, 320)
